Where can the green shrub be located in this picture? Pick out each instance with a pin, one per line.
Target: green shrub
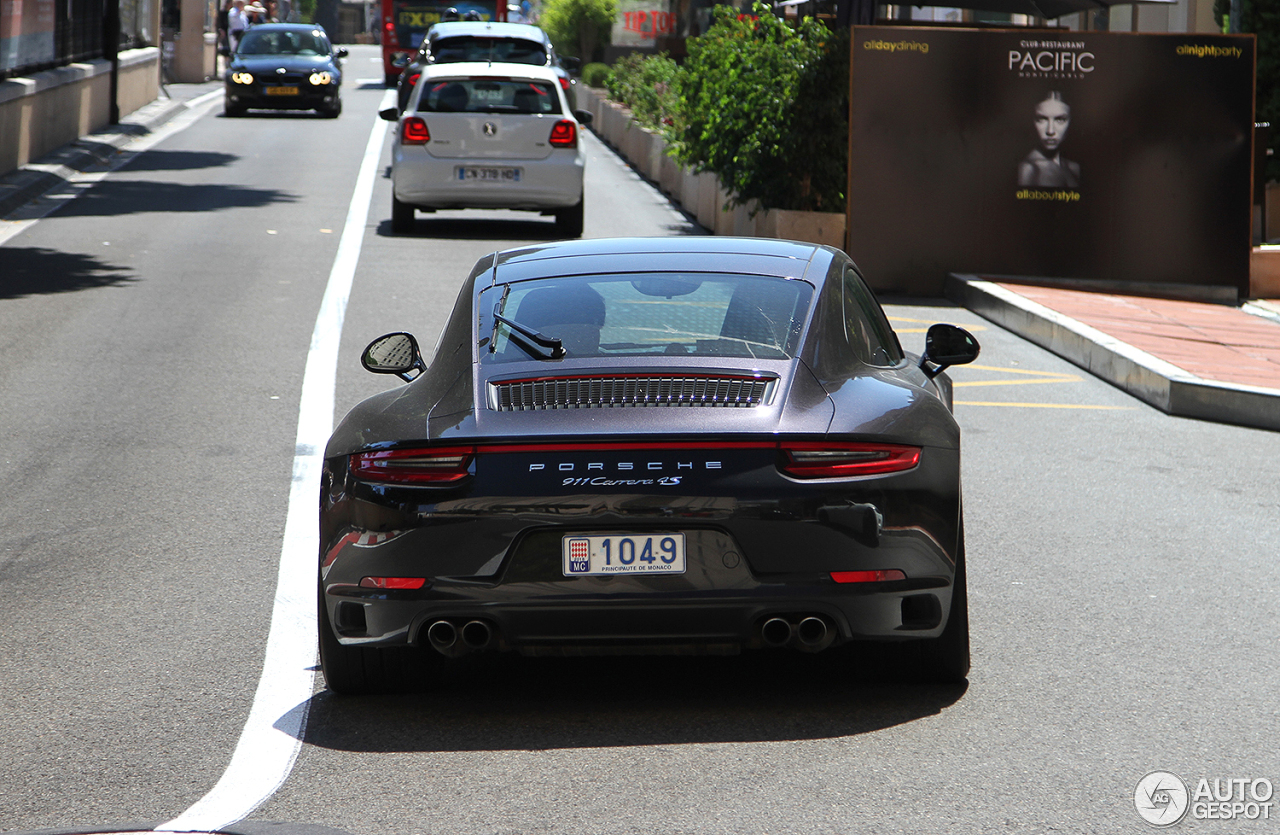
(648, 85)
(765, 106)
(594, 75)
(580, 28)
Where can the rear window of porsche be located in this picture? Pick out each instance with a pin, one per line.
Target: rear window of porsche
(658, 314)
(488, 95)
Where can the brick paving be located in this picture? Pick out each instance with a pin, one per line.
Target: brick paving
(1212, 341)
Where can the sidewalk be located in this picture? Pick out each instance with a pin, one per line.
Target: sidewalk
(53, 170)
(1192, 359)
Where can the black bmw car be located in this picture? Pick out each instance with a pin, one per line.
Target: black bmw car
(285, 66)
(693, 445)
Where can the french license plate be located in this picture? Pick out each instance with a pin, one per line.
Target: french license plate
(280, 91)
(623, 553)
(492, 174)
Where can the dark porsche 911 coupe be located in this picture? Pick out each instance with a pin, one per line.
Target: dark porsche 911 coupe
(691, 445)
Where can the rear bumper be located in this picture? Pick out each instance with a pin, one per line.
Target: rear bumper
(605, 623)
(433, 183)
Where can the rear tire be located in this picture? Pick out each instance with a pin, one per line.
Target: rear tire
(365, 671)
(945, 659)
(401, 217)
(569, 221)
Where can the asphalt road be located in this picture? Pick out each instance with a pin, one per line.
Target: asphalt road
(154, 334)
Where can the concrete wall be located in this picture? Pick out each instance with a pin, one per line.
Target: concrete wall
(50, 109)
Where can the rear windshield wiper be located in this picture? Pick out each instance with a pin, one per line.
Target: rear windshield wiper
(530, 341)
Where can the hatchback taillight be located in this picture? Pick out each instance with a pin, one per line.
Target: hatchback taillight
(564, 84)
(822, 459)
(564, 134)
(433, 465)
(413, 131)
(412, 80)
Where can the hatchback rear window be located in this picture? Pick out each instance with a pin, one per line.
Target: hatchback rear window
(504, 50)
(487, 95)
(655, 314)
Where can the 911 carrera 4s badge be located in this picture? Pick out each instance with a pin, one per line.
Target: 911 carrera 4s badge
(605, 481)
(661, 553)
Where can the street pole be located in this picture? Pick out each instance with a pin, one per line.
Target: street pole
(111, 51)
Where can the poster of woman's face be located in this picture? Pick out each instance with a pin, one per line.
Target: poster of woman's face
(1053, 117)
(1045, 166)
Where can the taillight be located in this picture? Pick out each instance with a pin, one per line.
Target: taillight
(412, 80)
(565, 134)
(413, 131)
(389, 38)
(882, 575)
(821, 459)
(393, 582)
(564, 84)
(439, 465)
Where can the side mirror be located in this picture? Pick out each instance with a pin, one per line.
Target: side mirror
(947, 345)
(341, 53)
(391, 114)
(395, 353)
(584, 117)
(570, 63)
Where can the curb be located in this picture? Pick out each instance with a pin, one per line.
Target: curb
(1146, 377)
(57, 167)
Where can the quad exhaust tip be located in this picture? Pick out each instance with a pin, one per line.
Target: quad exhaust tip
(448, 640)
(776, 632)
(811, 633)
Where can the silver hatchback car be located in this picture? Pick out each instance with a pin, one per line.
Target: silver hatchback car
(488, 136)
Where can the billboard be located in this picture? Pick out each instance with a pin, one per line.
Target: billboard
(26, 34)
(641, 22)
(1049, 153)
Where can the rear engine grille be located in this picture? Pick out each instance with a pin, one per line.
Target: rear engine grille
(599, 392)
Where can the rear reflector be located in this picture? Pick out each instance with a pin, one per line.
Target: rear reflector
(883, 575)
(564, 134)
(413, 131)
(413, 466)
(393, 582)
(821, 459)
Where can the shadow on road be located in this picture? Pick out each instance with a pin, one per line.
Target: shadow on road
(112, 198)
(32, 271)
(512, 703)
(158, 160)
(479, 229)
(482, 229)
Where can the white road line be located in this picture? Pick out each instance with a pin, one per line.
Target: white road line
(272, 735)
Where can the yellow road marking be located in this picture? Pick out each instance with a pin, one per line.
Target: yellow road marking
(1038, 378)
(1022, 371)
(1044, 405)
(926, 322)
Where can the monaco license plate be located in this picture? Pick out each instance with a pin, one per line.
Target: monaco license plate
(623, 553)
(280, 91)
(490, 173)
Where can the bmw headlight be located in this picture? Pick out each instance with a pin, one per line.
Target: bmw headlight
(319, 78)
(242, 77)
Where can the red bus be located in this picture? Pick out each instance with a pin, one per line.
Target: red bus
(405, 24)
